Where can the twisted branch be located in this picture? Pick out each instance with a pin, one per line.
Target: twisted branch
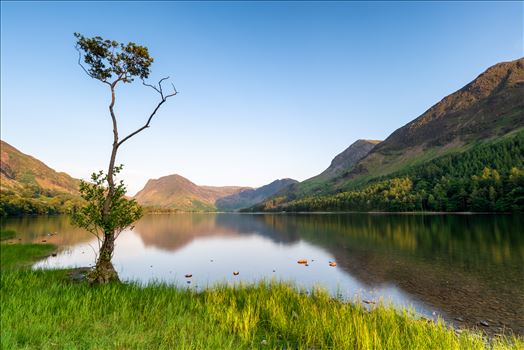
(162, 101)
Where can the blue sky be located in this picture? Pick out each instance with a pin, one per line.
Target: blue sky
(267, 89)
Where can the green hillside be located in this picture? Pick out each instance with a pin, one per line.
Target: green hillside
(485, 178)
(485, 111)
(175, 192)
(29, 187)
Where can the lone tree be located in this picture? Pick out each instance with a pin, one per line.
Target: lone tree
(107, 212)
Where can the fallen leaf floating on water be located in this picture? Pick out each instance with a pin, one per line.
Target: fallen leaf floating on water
(332, 264)
(302, 261)
(235, 273)
(189, 275)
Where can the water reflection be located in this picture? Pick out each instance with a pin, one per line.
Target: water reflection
(467, 266)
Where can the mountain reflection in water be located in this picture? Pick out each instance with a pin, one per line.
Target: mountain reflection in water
(461, 266)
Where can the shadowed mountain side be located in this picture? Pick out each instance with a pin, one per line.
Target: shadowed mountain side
(340, 166)
(345, 160)
(488, 109)
(249, 197)
(490, 106)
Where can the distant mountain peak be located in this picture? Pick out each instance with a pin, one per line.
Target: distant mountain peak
(250, 197)
(177, 192)
(346, 159)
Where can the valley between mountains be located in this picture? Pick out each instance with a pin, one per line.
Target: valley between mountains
(465, 153)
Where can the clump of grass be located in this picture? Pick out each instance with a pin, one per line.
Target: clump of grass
(19, 255)
(43, 309)
(7, 234)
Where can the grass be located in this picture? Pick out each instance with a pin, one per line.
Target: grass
(7, 234)
(45, 310)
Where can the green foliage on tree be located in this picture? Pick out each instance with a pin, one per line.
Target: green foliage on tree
(122, 214)
(108, 59)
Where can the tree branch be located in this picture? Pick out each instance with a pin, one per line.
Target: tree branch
(120, 77)
(85, 70)
(162, 101)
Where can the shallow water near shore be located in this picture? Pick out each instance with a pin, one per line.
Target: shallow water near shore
(467, 269)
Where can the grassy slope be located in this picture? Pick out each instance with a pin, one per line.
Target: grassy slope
(43, 310)
(178, 193)
(29, 187)
(26, 170)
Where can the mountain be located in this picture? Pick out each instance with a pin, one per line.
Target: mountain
(18, 170)
(487, 108)
(29, 186)
(466, 127)
(249, 197)
(177, 192)
(340, 165)
(345, 160)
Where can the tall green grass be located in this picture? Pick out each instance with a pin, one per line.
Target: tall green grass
(45, 310)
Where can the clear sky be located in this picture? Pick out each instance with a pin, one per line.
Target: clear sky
(267, 89)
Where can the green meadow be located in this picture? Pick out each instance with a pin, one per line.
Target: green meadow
(47, 309)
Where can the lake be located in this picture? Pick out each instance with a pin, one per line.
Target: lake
(464, 268)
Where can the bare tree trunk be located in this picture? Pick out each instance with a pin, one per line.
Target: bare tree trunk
(104, 271)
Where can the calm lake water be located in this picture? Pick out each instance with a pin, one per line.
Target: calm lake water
(464, 268)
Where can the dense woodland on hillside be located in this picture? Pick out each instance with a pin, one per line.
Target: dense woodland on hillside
(33, 200)
(485, 178)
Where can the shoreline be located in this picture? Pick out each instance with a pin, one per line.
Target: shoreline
(313, 319)
(421, 213)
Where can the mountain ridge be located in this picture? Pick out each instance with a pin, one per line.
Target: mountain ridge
(176, 192)
(249, 197)
(18, 169)
(488, 108)
(29, 186)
